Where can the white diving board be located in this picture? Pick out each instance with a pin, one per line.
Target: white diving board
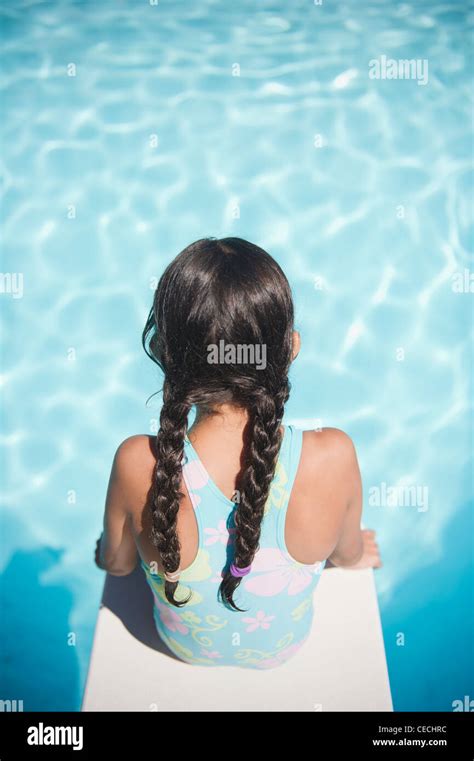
(342, 666)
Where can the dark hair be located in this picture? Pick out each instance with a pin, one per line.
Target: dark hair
(230, 290)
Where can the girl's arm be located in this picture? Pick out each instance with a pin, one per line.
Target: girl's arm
(116, 552)
(356, 547)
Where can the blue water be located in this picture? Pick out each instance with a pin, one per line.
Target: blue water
(129, 132)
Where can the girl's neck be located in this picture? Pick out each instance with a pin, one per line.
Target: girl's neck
(221, 431)
(226, 419)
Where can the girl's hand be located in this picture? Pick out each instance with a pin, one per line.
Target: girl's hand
(370, 555)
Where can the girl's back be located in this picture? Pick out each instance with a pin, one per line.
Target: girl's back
(306, 507)
(234, 519)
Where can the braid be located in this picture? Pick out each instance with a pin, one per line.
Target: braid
(214, 291)
(166, 494)
(265, 416)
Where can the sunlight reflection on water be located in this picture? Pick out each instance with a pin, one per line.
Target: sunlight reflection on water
(359, 187)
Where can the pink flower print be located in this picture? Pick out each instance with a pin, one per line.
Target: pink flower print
(219, 534)
(210, 653)
(260, 621)
(274, 571)
(281, 657)
(170, 618)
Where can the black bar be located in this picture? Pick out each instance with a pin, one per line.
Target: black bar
(135, 735)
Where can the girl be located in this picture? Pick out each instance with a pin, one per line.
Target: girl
(235, 518)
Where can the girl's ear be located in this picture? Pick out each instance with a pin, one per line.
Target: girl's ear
(296, 345)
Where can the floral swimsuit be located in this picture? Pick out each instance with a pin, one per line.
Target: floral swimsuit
(277, 594)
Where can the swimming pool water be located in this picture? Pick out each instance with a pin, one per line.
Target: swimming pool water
(132, 129)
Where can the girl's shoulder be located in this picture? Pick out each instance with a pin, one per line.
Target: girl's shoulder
(330, 441)
(327, 445)
(134, 464)
(329, 455)
(136, 449)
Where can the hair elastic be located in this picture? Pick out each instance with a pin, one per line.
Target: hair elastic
(239, 572)
(173, 577)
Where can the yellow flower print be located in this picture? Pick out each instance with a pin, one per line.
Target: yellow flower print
(187, 655)
(278, 492)
(300, 610)
(199, 569)
(199, 627)
(250, 656)
(183, 652)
